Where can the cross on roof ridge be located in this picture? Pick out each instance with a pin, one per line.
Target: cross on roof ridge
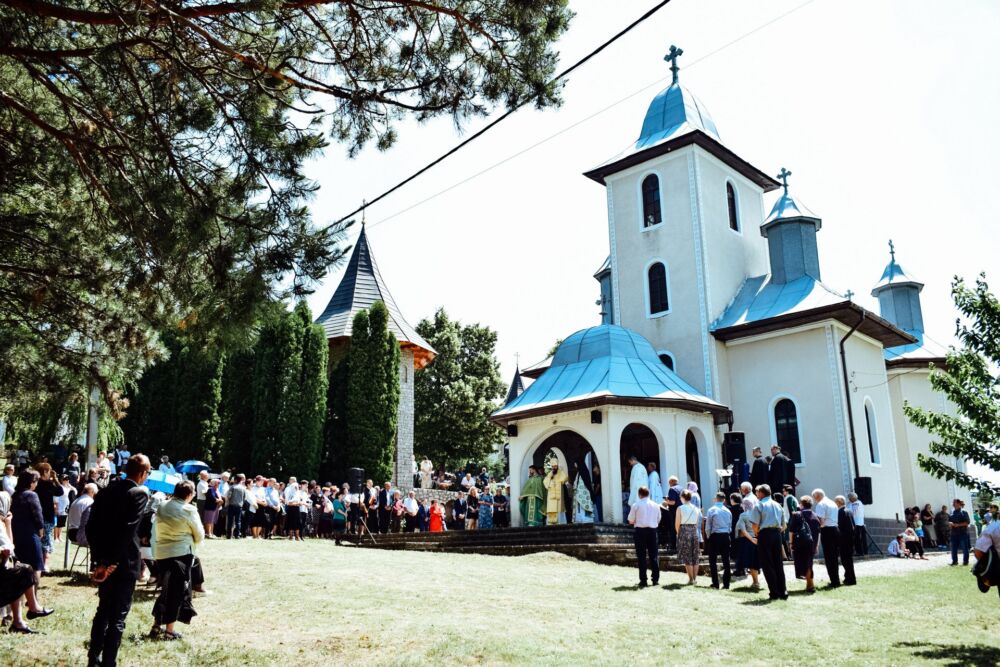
(671, 58)
(783, 177)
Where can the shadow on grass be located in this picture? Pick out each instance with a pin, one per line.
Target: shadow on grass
(77, 580)
(622, 589)
(674, 587)
(955, 655)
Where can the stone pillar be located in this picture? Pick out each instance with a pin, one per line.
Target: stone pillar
(404, 427)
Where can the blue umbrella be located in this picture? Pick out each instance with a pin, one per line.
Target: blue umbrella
(192, 466)
(161, 481)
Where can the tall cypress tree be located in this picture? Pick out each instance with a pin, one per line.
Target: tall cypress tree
(305, 402)
(278, 367)
(334, 459)
(237, 418)
(372, 394)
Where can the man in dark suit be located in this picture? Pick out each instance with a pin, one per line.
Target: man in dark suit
(845, 523)
(758, 469)
(114, 547)
(458, 510)
(777, 474)
(384, 507)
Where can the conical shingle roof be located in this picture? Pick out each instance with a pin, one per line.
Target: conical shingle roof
(360, 287)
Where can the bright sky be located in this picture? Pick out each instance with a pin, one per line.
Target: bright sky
(886, 113)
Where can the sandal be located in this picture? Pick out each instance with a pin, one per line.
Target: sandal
(155, 632)
(171, 636)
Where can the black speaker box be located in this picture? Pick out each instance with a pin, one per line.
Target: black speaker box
(734, 446)
(356, 478)
(863, 487)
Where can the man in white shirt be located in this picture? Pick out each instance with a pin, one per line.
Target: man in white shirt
(9, 479)
(826, 511)
(645, 516)
(637, 478)
(293, 517)
(410, 509)
(857, 509)
(76, 510)
(201, 490)
(467, 482)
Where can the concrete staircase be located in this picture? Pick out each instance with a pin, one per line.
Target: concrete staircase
(608, 544)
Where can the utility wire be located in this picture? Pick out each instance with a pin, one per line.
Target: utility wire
(562, 131)
(621, 33)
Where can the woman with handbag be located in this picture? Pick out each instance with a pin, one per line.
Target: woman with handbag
(176, 532)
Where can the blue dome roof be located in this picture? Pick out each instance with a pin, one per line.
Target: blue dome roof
(606, 340)
(895, 275)
(675, 111)
(601, 363)
(786, 208)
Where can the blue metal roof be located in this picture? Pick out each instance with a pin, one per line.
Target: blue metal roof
(894, 275)
(604, 361)
(675, 111)
(759, 299)
(786, 208)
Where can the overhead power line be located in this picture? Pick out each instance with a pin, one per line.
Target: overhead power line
(622, 100)
(499, 119)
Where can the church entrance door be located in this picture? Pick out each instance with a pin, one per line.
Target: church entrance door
(638, 441)
(693, 462)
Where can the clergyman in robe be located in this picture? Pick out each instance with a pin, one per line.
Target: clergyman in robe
(655, 488)
(532, 500)
(554, 485)
(638, 478)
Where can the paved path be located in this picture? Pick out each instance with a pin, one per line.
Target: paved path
(877, 567)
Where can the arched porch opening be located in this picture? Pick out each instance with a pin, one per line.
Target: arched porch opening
(638, 440)
(577, 457)
(692, 460)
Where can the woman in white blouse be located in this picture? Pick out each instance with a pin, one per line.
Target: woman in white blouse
(176, 531)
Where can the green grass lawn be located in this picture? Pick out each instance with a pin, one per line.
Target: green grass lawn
(313, 603)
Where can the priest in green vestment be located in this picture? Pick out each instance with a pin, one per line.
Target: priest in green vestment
(532, 500)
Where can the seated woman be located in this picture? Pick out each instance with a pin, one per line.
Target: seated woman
(176, 532)
(913, 543)
(17, 581)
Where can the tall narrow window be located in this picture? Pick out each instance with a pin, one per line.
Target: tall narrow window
(786, 429)
(651, 213)
(658, 299)
(734, 222)
(870, 425)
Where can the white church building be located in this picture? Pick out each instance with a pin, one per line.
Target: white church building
(715, 318)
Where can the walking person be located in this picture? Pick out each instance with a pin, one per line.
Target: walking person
(845, 526)
(688, 524)
(645, 517)
(178, 531)
(114, 547)
(718, 534)
(768, 520)
(826, 511)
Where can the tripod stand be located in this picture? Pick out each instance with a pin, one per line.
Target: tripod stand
(364, 526)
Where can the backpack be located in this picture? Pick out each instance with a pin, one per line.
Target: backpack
(803, 533)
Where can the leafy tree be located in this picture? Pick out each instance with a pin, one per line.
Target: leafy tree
(372, 394)
(971, 383)
(151, 155)
(456, 393)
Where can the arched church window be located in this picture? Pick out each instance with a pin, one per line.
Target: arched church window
(667, 360)
(786, 429)
(734, 220)
(872, 429)
(651, 211)
(659, 301)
